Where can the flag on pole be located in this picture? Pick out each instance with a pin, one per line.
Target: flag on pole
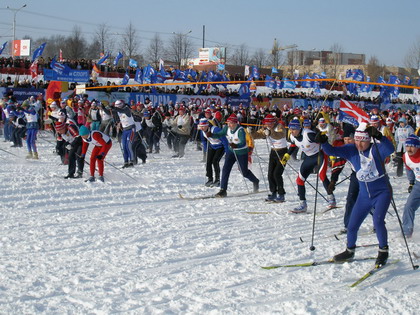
(161, 64)
(246, 73)
(354, 111)
(103, 58)
(61, 55)
(118, 57)
(34, 69)
(38, 52)
(2, 47)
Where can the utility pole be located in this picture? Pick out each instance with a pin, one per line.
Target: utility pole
(15, 11)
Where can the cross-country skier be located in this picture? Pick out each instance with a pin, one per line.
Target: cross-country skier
(375, 192)
(102, 144)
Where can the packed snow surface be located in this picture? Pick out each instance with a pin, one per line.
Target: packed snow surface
(131, 245)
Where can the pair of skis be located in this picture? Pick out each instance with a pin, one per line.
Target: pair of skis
(370, 273)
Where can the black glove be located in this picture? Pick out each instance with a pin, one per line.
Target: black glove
(169, 127)
(100, 157)
(233, 145)
(321, 138)
(209, 134)
(410, 188)
(331, 187)
(180, 127)
(374, 132)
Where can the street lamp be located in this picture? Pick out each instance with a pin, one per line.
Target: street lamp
(15, 11)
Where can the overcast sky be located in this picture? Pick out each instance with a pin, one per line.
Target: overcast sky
(385, 29)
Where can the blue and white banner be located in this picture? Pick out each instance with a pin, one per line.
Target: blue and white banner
(70, 76)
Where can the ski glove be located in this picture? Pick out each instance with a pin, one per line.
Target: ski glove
(286, 157)
(82, 156)
(209, 134)
(374, 133)
(100, 156)
(321, 138)
(410, 188)
(233, 145)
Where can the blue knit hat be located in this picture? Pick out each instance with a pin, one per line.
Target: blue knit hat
(412, 141)
(306, 123)
(294, 124)
(83, 131)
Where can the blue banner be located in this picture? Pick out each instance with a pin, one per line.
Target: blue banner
(72, 76)
(22, 94)
(236, 100)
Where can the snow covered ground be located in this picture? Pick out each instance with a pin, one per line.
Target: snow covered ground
(135, 247)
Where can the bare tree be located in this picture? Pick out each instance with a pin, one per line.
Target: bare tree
(259, 58)
(155, 51)
(334, 60)
(130, 41)
(102, 36)
(374, 69)
(76, 44)
(240, 55)
(412, 58)
(180, 48)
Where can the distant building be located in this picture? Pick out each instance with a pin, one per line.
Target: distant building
(326, 57)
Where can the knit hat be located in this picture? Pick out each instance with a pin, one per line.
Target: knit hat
(321, 120)
(208, 111)
(119, 103)
(294, 124)
(403, 120)
(269, 119)
(83, 131)
(306, 123)
(203, 122)
(361, 134)
(232, 118)
(374, 119)
(412, 141)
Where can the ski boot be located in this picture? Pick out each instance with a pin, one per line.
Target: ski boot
(209, 183)
(216, 183)
(256, 186)
(221, 194)
(90, 179)
(331, 202)
(302, 208)
(280, 199)
(382, 256)
(347, 255)
(29, 156)
(272, 197)
(101, 179)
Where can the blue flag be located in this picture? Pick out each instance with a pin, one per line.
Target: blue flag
(244, 90)
(139, 76)
(148, 72)
(38, 52)
(117, 58)
(358, 75)
(255, 73)
(2, 47)
(125, 78)
(274, 70)
(306, 84)
(132, 63)
(269, 82)
(349, 73)
(289, 84)
(102, 60)
(59, 67)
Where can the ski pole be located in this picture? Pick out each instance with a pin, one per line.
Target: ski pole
(288, 164)
(415, 267)
(9, 152)
(312, 247)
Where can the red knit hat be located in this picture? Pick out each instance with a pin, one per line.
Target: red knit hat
(232, 118)
(269, 119)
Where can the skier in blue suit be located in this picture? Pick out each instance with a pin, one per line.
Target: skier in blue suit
(374, 188)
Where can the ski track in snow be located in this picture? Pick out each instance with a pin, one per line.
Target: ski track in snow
(134, 247)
